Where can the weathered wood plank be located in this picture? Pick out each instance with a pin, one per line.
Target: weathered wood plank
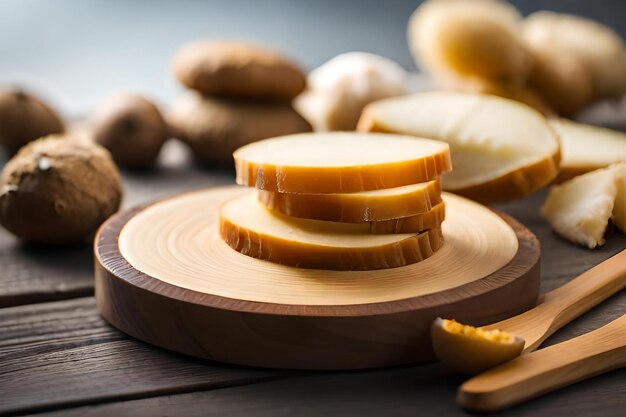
(32, 273)
(402, 392)
(62, 354)
(38, 273)
(427, 390)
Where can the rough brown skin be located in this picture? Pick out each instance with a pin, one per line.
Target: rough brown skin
(215, 127)
(578, 60)
(24, 118)
(237, 69)
(132, 128)
(58, 189)
(561, 81)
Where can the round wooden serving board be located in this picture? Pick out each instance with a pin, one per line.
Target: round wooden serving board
(164, 275)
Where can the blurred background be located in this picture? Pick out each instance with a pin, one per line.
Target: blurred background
(75, 52)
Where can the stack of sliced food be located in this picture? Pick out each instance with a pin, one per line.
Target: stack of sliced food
(342, 201)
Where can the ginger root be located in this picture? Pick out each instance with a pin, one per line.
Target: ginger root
(565, 61)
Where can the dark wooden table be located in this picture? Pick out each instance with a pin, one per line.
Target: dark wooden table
(58, 357)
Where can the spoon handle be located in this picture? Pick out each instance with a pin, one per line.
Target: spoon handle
(587, 290)
(564, 304)
(545, 370)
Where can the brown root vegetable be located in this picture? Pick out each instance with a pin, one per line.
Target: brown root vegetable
(469, 39)
(24, 118)
(132, 128)
(562, 82)
(58, 189)
(562, 39)
(237, 69)
(215, 127)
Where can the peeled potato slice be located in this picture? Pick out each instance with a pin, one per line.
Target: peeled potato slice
(390, 203)
(586, 148)
(253, 230)
(469, 349)
(579, 209)
(501, 149)
(340, 162)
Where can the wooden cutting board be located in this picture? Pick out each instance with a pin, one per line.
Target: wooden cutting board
(163, 275)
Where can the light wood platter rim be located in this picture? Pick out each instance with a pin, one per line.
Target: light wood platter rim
(109, 258)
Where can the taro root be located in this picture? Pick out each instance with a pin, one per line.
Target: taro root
(24, 118)
(578, 60)
(58, 189)
(214, 127)
(131, 128)
(238, 69)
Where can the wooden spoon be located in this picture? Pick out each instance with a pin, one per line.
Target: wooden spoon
(467, 353)
(556, 366)
(567, 302)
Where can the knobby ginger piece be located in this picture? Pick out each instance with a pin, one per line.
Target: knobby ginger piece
(340, 162)
(579, 209)
(253, 230)
(586, 148)
(460, 39)
(214, 126)
(340, 89)
(237, 69)
(561, 80)
(594, 49)
(390, 203)
(501, 149)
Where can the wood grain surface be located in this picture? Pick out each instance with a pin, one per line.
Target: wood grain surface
(63, 334)
(424, 391)
(164, 275)
(177, 242)
(63, 353)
